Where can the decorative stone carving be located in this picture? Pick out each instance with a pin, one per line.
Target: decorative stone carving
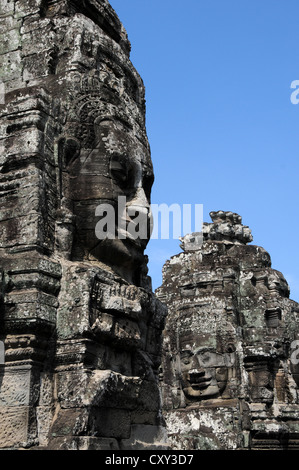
(230, 352)
(81, 327)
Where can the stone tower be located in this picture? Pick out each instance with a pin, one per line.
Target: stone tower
(231, 349)
(79, 323)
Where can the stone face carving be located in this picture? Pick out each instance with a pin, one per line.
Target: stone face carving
(120, 165)
(204, 373)
(229, 369)
(81, 327)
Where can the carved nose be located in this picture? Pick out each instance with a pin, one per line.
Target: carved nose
(139, 200)
(139, 209)
(143, 212)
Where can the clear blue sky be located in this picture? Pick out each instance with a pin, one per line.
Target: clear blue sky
(221, 125)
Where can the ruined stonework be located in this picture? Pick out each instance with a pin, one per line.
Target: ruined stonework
(80, 324)
(230, 354)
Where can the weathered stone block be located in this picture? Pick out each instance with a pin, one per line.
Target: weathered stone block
(96, 443)
(30, 7)
(6, 8)
(11, 66)
(11, 41)
(142, 437)
(111, 423)
(15, 386)
(17, 427)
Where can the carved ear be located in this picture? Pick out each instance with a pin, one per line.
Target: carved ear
(100, 123)
(68, 151)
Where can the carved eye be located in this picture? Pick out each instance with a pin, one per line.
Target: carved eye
(206, 358)
(221, 373)
(186, 356)
(119, 170)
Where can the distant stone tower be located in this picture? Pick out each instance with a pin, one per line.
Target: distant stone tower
(80, 325)
(231, 349)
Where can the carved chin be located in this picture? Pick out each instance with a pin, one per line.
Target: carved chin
(119, 253)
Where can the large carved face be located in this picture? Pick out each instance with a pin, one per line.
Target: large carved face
(204, 373)
(119, 165)
(204, 370)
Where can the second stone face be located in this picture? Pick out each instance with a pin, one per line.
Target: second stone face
(228, 343)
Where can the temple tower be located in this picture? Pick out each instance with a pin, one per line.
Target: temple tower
(80, 325)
